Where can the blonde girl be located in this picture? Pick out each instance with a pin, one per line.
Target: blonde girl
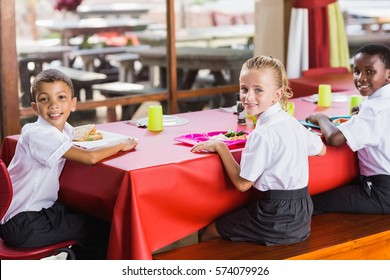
(274, 162)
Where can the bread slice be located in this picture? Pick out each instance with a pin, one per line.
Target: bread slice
(87, 133)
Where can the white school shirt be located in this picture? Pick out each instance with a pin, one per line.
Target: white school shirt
(275, 156)
(368, 133)
(36, 166)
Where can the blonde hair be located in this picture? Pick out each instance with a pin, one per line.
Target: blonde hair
(281, 80)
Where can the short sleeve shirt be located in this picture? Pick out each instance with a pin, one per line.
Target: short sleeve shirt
(275, 156)
(36, 166)
(368, 133)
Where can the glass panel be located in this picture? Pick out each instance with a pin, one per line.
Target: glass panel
(213, 39)
(366, 21)
(222, 25)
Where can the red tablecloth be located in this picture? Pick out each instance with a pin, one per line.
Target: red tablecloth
(162, 192)
(305, 86)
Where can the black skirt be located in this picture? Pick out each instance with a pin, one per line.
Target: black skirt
(278, 217)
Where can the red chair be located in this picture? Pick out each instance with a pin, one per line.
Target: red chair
(324, 70)
(8, 252)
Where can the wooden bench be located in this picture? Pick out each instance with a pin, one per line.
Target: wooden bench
(334, 236)
(89, 55)
(125, 62)
(116, 89)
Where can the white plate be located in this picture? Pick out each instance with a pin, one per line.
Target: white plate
(167, 121)
(336, 97)
(232, 109)
(108, 138)
(309, 124)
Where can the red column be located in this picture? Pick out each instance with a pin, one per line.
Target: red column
(319, 41)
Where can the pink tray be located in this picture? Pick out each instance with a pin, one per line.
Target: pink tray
(194, 138)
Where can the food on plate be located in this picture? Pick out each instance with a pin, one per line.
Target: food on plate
(339, 120)
(87, 132)
(230, 135)
(235, 135)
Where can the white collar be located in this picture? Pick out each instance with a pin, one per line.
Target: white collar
(384, 91)
(269, 112)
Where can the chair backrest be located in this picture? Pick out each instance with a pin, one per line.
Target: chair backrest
(324, 70)
(5, 189)
(8, 252)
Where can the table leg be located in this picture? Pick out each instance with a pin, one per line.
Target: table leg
(111, 114)
(188, 79)
(230, 99)
(126, 72)
(25, 84)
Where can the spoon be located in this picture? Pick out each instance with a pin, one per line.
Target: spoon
(137, 124)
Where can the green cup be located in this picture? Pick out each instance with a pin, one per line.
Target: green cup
(324, 96)
(354, 101)
(155, 118)
(291, 108)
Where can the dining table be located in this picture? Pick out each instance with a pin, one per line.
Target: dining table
(224, 65)
(135, 10)
(69, 28)
(161, 192)
(211, 36)
(305, 86)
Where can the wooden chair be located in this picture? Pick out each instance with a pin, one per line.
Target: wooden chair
(8, 252)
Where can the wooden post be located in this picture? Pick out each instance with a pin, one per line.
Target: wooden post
(9, 90)
(32, 17)
(171, 58)
(272, 41)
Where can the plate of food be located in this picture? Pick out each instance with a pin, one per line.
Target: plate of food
(337, 120)
(88, 137)
(231, 138)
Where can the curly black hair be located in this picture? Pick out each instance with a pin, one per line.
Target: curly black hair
(383, 51)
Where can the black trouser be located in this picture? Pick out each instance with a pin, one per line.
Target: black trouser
(57, 224)
(370, 196)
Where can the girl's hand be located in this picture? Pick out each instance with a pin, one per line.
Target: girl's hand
(129, 144)
(209, 146)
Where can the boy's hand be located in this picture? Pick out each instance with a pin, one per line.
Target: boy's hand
(129, 144)
(312, 119)
(355, 110)
(315, 118)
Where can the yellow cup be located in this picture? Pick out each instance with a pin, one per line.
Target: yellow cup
(291, 108)
(324, 96)
(355, 101)
(155, 118)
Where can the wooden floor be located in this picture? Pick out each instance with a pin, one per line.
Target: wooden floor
(334, 236)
